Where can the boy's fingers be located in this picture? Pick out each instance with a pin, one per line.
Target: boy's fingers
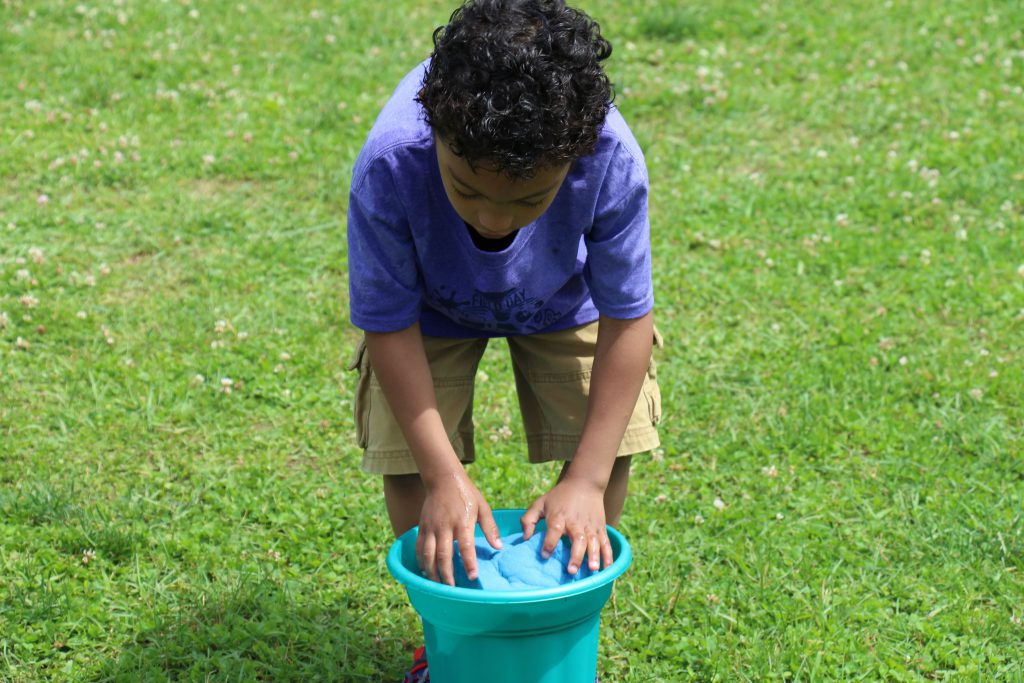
(593, 552)
(531, 517)
(551, 539)
(443, 558)
(467, 549)
(489, 526)
(427, 560)
(606, 550)
(579, 547)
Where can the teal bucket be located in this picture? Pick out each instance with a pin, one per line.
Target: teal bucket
(543, 635)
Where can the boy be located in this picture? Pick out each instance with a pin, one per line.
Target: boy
(499, 194)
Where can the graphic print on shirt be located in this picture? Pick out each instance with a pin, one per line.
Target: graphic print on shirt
(506, 311)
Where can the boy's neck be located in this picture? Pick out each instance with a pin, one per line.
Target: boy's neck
(488, 244)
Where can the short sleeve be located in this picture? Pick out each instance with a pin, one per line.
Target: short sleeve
(384, 280)
(618, 267)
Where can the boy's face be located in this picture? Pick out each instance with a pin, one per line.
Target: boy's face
(490, 202)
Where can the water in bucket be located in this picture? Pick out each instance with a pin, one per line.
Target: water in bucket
(544, 635)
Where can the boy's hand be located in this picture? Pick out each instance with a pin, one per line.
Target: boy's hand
(452, 508)
(573, 508)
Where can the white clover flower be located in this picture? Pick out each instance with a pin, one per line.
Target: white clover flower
(719, 504)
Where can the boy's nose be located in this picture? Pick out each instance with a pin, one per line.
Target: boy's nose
(494, 221)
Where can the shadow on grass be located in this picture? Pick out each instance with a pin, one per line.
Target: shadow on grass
(257, 632)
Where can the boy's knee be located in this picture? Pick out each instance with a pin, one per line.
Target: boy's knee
(403, 482)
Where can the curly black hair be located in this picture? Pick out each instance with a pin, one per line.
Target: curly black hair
(518, 84)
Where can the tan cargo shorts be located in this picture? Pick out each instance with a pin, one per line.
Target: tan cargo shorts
(552, 374)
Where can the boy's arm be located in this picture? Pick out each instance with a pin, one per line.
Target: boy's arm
(453, 505)
(575, 506)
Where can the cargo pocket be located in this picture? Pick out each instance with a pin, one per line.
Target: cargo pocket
(361, 399)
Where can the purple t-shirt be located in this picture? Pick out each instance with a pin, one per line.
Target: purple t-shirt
(411, 257)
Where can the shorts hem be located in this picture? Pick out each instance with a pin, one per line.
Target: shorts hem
(400, 461)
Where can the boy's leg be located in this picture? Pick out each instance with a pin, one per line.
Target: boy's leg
(404, 495)
(453, 366)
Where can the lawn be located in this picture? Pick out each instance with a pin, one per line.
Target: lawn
(836, 209)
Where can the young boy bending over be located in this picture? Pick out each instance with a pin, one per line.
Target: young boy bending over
(500, 194)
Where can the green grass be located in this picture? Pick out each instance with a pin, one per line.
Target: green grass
(837, 224)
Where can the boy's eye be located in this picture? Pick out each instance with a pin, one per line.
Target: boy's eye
(465, 195)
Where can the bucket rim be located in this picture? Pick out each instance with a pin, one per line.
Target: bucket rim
(413, 581)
